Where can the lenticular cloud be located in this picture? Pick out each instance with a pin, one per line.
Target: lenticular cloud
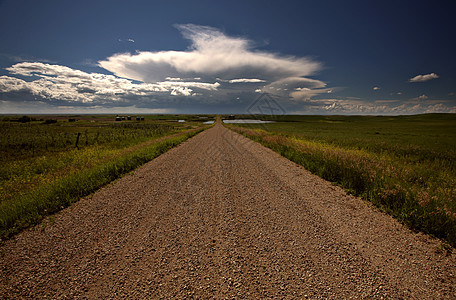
(211, 54)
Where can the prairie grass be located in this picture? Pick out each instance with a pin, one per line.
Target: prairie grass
(405, 165)
(34, 183)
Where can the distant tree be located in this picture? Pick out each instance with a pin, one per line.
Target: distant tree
(25, 119)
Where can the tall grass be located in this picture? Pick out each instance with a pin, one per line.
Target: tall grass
(42, 170)
(35, 138)
(48, 198)
(413, 182)
(35, 153)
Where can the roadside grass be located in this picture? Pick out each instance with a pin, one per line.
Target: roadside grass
(404, 165)
(54, 176)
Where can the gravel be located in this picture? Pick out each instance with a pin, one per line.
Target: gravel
(220, 216)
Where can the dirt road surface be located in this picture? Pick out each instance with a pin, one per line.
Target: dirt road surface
(222, 217)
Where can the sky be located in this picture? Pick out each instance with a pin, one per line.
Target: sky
(304, 57)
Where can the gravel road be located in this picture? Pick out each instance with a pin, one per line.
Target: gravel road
(223, 217)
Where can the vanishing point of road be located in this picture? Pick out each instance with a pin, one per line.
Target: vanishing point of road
(222, 217)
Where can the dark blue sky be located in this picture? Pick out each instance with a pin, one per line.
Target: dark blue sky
(347, 47)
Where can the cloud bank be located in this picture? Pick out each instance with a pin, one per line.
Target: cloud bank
(215, 69)
(63, 84)
(216, 73)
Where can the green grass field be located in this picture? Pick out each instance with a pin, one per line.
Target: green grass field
(406, 165)
(49, 162)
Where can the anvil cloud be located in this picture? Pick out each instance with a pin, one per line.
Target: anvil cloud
(211, 54)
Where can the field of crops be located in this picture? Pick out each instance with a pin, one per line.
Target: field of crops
(406, 165)
(47, 162)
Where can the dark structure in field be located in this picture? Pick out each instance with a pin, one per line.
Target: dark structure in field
(129, 118)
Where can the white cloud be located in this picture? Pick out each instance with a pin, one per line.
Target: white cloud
(60, 83)
(217, 57)
(212, 53)
(379, 107)
(126, 40)
(282, 86)
(305, 94)
(45, 70)
(422, 97)
(12, 84)
(298, 88)
(201, 85)
(246, 80)
(376, 88)
(422, 78)
(181, 91)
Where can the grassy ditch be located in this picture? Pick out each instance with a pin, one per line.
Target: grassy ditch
(37, 185)
(404, 165)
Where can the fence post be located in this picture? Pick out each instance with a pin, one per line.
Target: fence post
(77, 140)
